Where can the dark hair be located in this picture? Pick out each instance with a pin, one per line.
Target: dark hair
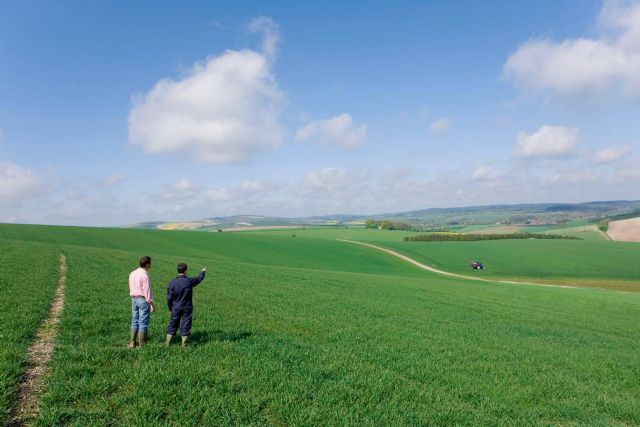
(145, 261)
(182, 268)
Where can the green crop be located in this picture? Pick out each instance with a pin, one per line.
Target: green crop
(309, 330)
(28, 276)
(588, 259)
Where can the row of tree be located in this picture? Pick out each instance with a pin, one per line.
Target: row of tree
(458, 237)
(387, 225)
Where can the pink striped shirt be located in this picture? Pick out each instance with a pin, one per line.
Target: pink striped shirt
(139, 284)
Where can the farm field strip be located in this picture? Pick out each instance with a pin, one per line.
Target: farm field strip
(626, 230)
(446, 273)
(524, 260)
(592, 262)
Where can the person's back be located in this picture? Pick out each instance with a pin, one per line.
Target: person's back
(180, 302)
(141, 301)
(181, 289)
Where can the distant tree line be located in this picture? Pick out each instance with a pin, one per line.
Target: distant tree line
(387, 225)
(603, 224)
(458, 237)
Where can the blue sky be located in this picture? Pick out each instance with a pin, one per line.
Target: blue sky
(117, 112)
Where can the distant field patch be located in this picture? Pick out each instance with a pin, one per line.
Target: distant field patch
(503, 229)
(626, 230)
(265, 227)
(184, 225)
(586, 232)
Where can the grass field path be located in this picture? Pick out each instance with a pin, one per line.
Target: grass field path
(39, 355)
(446, 273)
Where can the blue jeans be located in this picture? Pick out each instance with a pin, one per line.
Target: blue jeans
(140, 312)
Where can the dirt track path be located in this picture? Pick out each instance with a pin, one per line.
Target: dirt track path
(39, 355)
(446, 273)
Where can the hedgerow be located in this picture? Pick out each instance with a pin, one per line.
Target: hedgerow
(459, 237)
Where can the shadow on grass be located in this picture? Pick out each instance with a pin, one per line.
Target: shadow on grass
(203, 337)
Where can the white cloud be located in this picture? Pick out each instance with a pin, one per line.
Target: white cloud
(225, 110)
(338, 130)
(573, 178)
(326, 180)
(612, 154)
(270, 34)
(330, 183)
(486, 172)
(548, 141)
(18, 185)
(183, 189)
(580, 66)
(218, 195)
(252, 186)
(629, 173)
(440, 126)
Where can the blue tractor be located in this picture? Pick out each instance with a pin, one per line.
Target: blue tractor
(477, 265)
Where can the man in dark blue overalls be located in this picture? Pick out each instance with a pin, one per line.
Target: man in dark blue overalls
(179, 301)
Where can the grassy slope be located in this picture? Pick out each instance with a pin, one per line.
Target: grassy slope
(543, 259)
(585, 232)
(292, 346)
(533, 259)
(278, 340)
(267, 248)
(28, 275)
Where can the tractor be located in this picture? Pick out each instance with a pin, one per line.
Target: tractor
(477, 265)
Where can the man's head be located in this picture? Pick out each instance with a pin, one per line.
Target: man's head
(145, 262)
(182, 268)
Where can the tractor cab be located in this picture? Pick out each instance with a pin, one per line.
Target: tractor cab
(477, 265)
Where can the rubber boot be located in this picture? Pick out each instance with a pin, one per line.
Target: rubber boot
(132, 340)
(140, 339)
(167, 341)
(185, 341)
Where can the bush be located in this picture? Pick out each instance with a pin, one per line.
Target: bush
(603, 225)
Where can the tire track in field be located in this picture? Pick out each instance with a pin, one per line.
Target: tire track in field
(446, 273)
(39, 355)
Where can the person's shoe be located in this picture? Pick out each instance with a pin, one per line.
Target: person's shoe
(167, 341)
(132, 340)
(140, 339)
(185, 341)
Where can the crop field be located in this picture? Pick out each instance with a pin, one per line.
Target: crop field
(310, 330)
(28, 275)
(585, 232)
(591, 262)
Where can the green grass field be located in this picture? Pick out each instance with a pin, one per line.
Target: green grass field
(310, 330)
(28, 276)
(592, 261)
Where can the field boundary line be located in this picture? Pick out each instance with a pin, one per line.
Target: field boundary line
(446, 273)
(39, 355)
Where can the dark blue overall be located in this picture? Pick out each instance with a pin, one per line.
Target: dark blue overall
(179, 300)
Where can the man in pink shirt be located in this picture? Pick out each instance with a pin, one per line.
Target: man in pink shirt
(141, 301)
